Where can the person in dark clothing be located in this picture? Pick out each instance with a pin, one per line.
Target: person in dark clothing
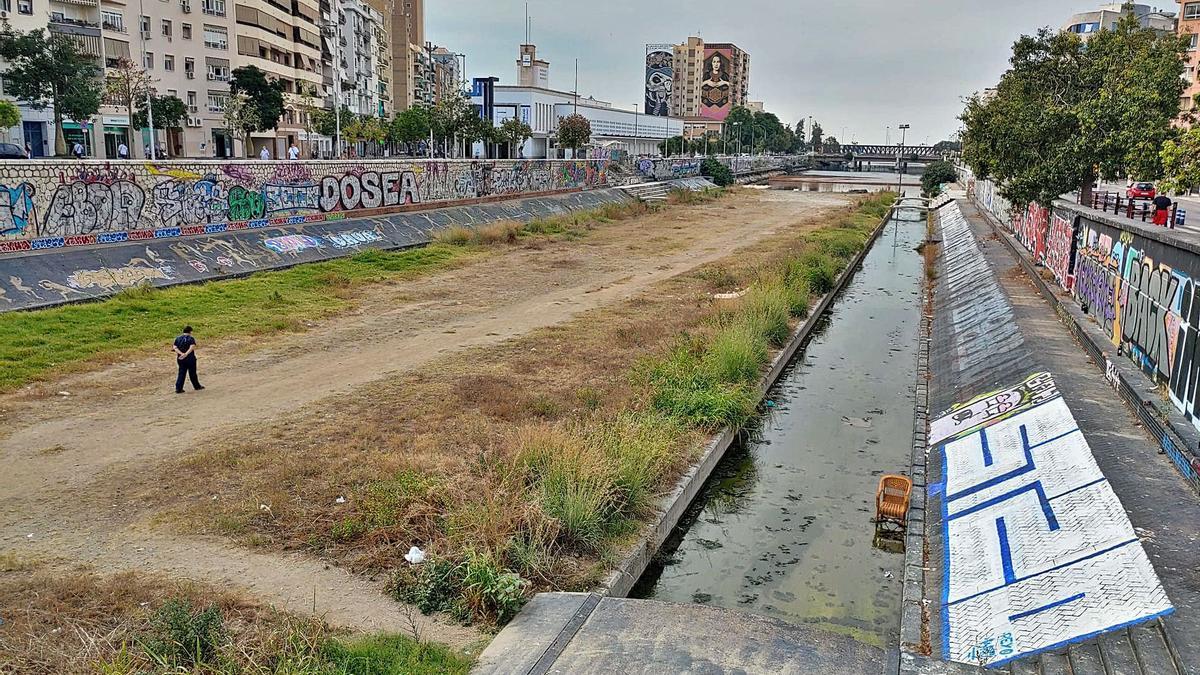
(185, 355)
(1162, 209)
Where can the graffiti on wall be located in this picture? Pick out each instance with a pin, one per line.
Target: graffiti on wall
(1029, 226)
(716, 91)
(43, 207)
(1060, 251)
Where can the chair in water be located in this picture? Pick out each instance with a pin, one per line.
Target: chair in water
(892, 500)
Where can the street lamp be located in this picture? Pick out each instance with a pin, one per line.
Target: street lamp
(899, 166)
(635, 126)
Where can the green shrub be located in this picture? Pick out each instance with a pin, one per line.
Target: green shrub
(683, 390)
(639, 449)
(437, 587)
(388, 655)
(766, 309)
(182, 636)
(490, 590)
(817, 271)
(718, 172)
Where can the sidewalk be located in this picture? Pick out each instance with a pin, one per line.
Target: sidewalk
(991, 330)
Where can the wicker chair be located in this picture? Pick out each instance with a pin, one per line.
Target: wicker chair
(892, 500)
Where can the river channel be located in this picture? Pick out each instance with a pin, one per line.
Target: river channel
(784, 526)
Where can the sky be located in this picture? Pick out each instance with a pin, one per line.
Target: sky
(855, 66)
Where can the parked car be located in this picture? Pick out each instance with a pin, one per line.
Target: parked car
(1141, 191)
(11, 151)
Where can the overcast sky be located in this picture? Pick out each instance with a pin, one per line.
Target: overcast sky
(861, 65)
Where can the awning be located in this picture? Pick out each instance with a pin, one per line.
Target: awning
(115, 49)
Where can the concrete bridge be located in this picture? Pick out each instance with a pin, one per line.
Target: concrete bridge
(869, 157)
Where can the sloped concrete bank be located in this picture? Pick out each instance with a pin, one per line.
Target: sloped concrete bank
(46, 278)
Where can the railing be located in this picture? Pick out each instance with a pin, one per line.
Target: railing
(1135, 209)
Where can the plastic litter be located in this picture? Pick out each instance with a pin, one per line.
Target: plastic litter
(340, 500)
(415, 556)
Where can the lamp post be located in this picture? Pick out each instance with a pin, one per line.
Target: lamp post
(899, 170)
(635, 126)
(150, 89)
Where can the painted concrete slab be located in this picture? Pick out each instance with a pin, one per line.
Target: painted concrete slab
(1040, 552)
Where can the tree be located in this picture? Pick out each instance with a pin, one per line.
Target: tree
(241, 117)
(169, 112)
(947, 146)
(10, 115)
(718, 172)
(128, 84)
(815, 142)
(1181, 162)
(832, 145)
(800, 144)
(352, 130)
(410, 127)
(51, 71)
(937, 174)
(373, 130)
(1066, 114)
(451, 117)
(263, 94)
(514, 132)
(574, 131)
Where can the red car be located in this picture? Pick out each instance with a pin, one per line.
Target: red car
(1141, 191)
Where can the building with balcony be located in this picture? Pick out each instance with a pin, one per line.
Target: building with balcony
(283, 39)
(1189, 25)
(410, 81)
(447, 72)
(1106, 16)
(355, 57)
(37, 126)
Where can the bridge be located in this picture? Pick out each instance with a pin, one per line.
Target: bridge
(867, 157)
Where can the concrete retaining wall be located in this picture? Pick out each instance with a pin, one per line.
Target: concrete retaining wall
(1130, 292)
(56, 204)
(45, 278)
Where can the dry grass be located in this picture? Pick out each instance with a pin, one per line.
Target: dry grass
(536, 456)
(74, 620)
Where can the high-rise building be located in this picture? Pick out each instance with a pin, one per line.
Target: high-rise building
(411, 63)
(447, 73)
(1189, 24)
(700, 82)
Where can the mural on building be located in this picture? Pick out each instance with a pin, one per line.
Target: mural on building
(42, 206)
(660, 76)
(716, 91)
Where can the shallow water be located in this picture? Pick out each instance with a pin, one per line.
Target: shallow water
(783, 528)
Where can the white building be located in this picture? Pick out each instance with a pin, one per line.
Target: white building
(358, 27)
(1107, 16)
(613, 129)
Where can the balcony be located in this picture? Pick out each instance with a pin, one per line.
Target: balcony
(69, 26)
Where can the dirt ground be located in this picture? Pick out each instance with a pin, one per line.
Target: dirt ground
(61, 451)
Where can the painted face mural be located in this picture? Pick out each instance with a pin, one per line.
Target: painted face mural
(716, 92)
(660, 76)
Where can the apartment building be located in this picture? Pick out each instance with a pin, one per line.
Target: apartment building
(355, 57)
(411, 62)
(447, 72)
(707, 81)
(1106, 16)
(1189, 25)
(81, 21)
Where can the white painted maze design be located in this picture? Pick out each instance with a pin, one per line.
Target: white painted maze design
(1038, 551)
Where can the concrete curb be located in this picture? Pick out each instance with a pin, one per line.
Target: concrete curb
(1175, 434)
(632, 566)
(912, 608)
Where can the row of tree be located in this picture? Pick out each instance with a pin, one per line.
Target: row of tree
(753, 132)
(1069, 113)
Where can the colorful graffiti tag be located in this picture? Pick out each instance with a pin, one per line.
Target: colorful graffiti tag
(43, 207)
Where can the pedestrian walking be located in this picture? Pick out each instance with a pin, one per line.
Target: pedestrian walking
(122, 151)
(265, 154)
(293, 152)
(185, 356)
(1162, 209)
(77, 150)
(28, 151)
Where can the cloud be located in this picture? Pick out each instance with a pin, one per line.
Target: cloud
(862, 65)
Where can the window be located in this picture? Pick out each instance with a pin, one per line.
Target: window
(1084, 28)
(146, 25)
(191, 99)
(148, 61)
(217, 101)
(186, 31)
(112, 21)
(218, 72)
(6, 5)
(169, 62)
(213, 7)
(1191, 10)
(216, 37)
(25, 6)
(189, 66)
(1192, 41)
(166, 28)
(173, 92)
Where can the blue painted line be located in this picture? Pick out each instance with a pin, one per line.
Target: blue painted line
(1025, 437)
(1081, 487)
(1005, 552)
(1035, 487)
(1044, 608)
(1081, 638)
(935, 489)
(1051, 569)
(983, 444)
(1006, 476)
(945, 563)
